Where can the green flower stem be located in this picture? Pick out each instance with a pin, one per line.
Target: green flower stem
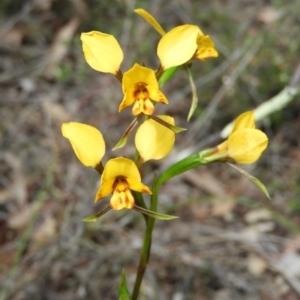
(167, 75)
(182, 166)
(145, 252)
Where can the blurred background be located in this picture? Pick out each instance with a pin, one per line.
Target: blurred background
(230, 242)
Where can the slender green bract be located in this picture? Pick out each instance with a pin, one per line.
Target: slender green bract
(123, 291)
(194, 93)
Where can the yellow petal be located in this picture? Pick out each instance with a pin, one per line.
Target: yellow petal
(153, 140)
(120, 166)
(87, 142)
(128, 99)
(150, 19)
(245, 120)
(120, 200)
(102, 51)
(206, 48)
(138, 74)
(178, 45)
(156, 95)
(138, 186)
(143, 106)
(105, 189)
(245, 146)
(223, 147)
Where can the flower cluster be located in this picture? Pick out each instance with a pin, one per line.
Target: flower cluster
(245, 143)
(155, 137)
(119, 175)
(140, 84)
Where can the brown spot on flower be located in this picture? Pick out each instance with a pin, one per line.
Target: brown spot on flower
(122, 197)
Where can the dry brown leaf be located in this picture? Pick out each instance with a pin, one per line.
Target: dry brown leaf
(222, 208)
(60, 46)
(42, 5)
(205, 181)
(18, 189)
(13, 37)
(254, 231)
(6, 258)
(80, 6)
(21, 217)
(290, 263)
(5, 195)
(293, 246)
(268, 14)
(201, 211)
(46, 231)
(256, 265)
(257, 215)
(56, 111)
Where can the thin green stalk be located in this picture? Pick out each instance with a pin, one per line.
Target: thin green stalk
(178, 168)
(145, 252)
(183, 165)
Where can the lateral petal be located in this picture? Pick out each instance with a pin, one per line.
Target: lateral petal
(138, 186)
(206, 48)
(105, 189)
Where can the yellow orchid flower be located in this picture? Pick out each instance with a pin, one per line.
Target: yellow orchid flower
(245, 144)
(119, 176)
(140, 85)
(180, 44)
(153, 140)
(87, 142)
(102, 52)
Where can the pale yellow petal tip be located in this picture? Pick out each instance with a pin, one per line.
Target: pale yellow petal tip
(247, 115)
(146, 191)
(244, 120)
(150, 19)
(141, 12)
(98, 196)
